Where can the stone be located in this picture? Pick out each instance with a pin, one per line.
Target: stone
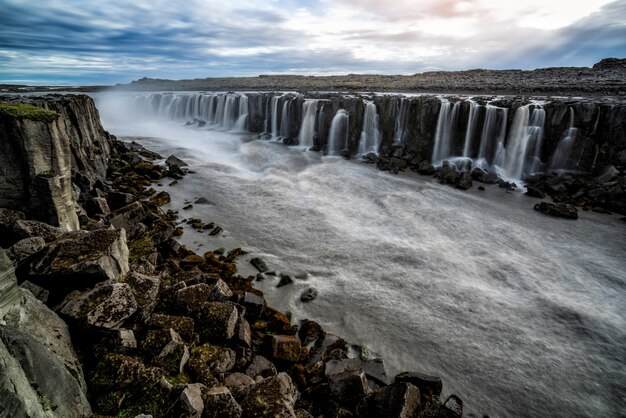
(285, 348)
(255, 305)
(243, 332)
(349, 387)
(374, 369)
(80, 260)
(464, 181)
(191, 261)
(285, 279)
(220, 291)
(161, 198)
(202, 201)
(238, 384)
(174, 356)
(272, 397)
(261, 366)
(192, 298)
(452, 407)
(37, 291)
(118, 200)
(97, 206)
(220, 403)
(10, 294)
(431, 385)
(478, 173)
(27, 229)
(218, 321)
(309, 294)
(154, 341)
(34, 381)
(533, 191)
(481, 188)
(398, 400)
(561, 210)
(145, 290)
(130, 218)
(190, 403)
(22, 250)
(183, 325)
(175, 162)
(211, 359)
(259, 264)
(608, 174)
(107, 305)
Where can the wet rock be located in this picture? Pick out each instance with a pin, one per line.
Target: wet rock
(374, 368)
(310, 331)
(161, 198)
(202, 201)
(216, 230)
(285, 348)
(20, 252)
(80, 259)
(464, 181)
(534, 192)
(130, 218)
(107, 305)
(398, 400)
(118, 200)
(608, 174)
(452, 407)
(261, 366)
(481, 188)
(349, 387)
(478, 173)
(431, 385)
(285, 279)
(191, 261)
(561, 210)
(254, 304)
(218, 321)
(272, 397)
(309, 294)
(175, 163)
(426, 168)
(219, 403)
(259, 264)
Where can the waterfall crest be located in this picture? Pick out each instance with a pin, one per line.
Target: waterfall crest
(338, 136)
(370, 135)
(561, 156)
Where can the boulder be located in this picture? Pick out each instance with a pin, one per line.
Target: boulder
(183, 325)
(79, 260)
(211, 359)
(398, 400)
(285, 348)
(285, 279)
(426, 168)
(349, 387)
(174, 356)
(272, 397)
(161, 198)
(259, 264)
(238, 384)
(560, 210)
(10, 294)
(608, 174)
(464, 181)
(262, 367)
(174, 162)
(452, 407)
(255, 305)
(428, 385)
(219, 403)
(374, 368)
(23, 249)
(118, 200)
(97, 206)
(309, 294)
(191, 299)
(145, 290)
(220, 291)
(190, 403)
(533, 191)
(39, 292)
(107, 305)
(218, 321)
(129, 218)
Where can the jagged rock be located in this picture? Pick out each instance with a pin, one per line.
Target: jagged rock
(220, 291)
(160, 199)
(97, 206)
(154, 341)
(39, 292)
(309, 294)
(23, 249)
(255, 305)
(349, 387)
(534, 192)
(452, 407)
(285, 348)
(272, 397)
(192, 298)
(561, 210)
(259, 264)
(107, 305)
(80, 259)
(145, 290)
(398, 400)
(191, 261)
(219, 403)
(207, 359)
(426, 168)
(181, 324)
(174, 355)
(218, 321)
(34, 381)
(238, 384)
(431, 385)
(373, 368)
(130, 218)
(285, 279)
(243, 332)
(464, 181)
(175, 163)
(608, 174)
(10, 294)
(190, 403)
(118, 200)
(261, 366)
(13, 227)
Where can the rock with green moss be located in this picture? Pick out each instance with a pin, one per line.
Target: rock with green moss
(25, 111)
(145, 290)
(160, 199)
(208, 358)
(183, 325)
(220, 403)
(130, 218)
(218, 321)
(174, 355)
(285, 348)
(272, 397)
(191, 299)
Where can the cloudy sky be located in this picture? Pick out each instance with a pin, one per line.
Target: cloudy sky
(110, 41)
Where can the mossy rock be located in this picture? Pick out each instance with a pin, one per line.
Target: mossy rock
(160, 199)
(21, 111)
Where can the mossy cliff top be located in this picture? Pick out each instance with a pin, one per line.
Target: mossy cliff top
(25, 111)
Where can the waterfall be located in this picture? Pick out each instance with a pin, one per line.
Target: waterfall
(564, 148)
(230, 111)
(338, 136)
(512, 159)
(242, 118)
(535, 140)
(370, 135)
(492, 135)
(285, 124)
(307, 129)
(275, 120)
(401, 119)
(445, 130)
(471, 126)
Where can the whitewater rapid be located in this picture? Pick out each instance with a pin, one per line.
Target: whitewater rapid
(520, 313)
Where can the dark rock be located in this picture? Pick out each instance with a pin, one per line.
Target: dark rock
(118, 200)
(130, 218)
(97, 206)
(374, 368)
(208, 359)
(285, 279)
(175, 162)
(189, 403)
(481, 188)
(216, 230)
(254, 304)
(431, 385)
(218, 321)
(272, 397)
(202, 201)
(145, 290)
(285, 348)
(238, 384)
(452, 407)
(349, 387)
(107, 305)
(533, 191)
(308, 295)
(161, 198)
(192, 299)
(398, 400)
(464, 181)
(261, 366)
(219, 403)
(478, 173)
(259, 264)
(561, 210)
(39, 292)
(22, 250)
(608, 174)
(181, 324)
(174, 356)
(426, 168)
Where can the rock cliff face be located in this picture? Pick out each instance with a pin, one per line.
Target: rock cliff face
(40, 156)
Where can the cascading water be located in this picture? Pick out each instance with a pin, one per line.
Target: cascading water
(338, 136)
(492, 135)
(446, 123)
(471, 127)
(564, 148)
(370, 135)
(307, 129)
(242, 119)
(285, 122)
(275, 116)
(401, 120)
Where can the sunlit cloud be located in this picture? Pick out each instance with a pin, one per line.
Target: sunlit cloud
(78, 42)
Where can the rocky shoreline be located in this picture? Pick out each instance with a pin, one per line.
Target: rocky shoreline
(142, 325)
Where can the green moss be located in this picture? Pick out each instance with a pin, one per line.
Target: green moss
(178, 379)
(25, 111)
(140, 248)
(47, 404)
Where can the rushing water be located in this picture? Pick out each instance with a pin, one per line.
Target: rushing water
(520, 313)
